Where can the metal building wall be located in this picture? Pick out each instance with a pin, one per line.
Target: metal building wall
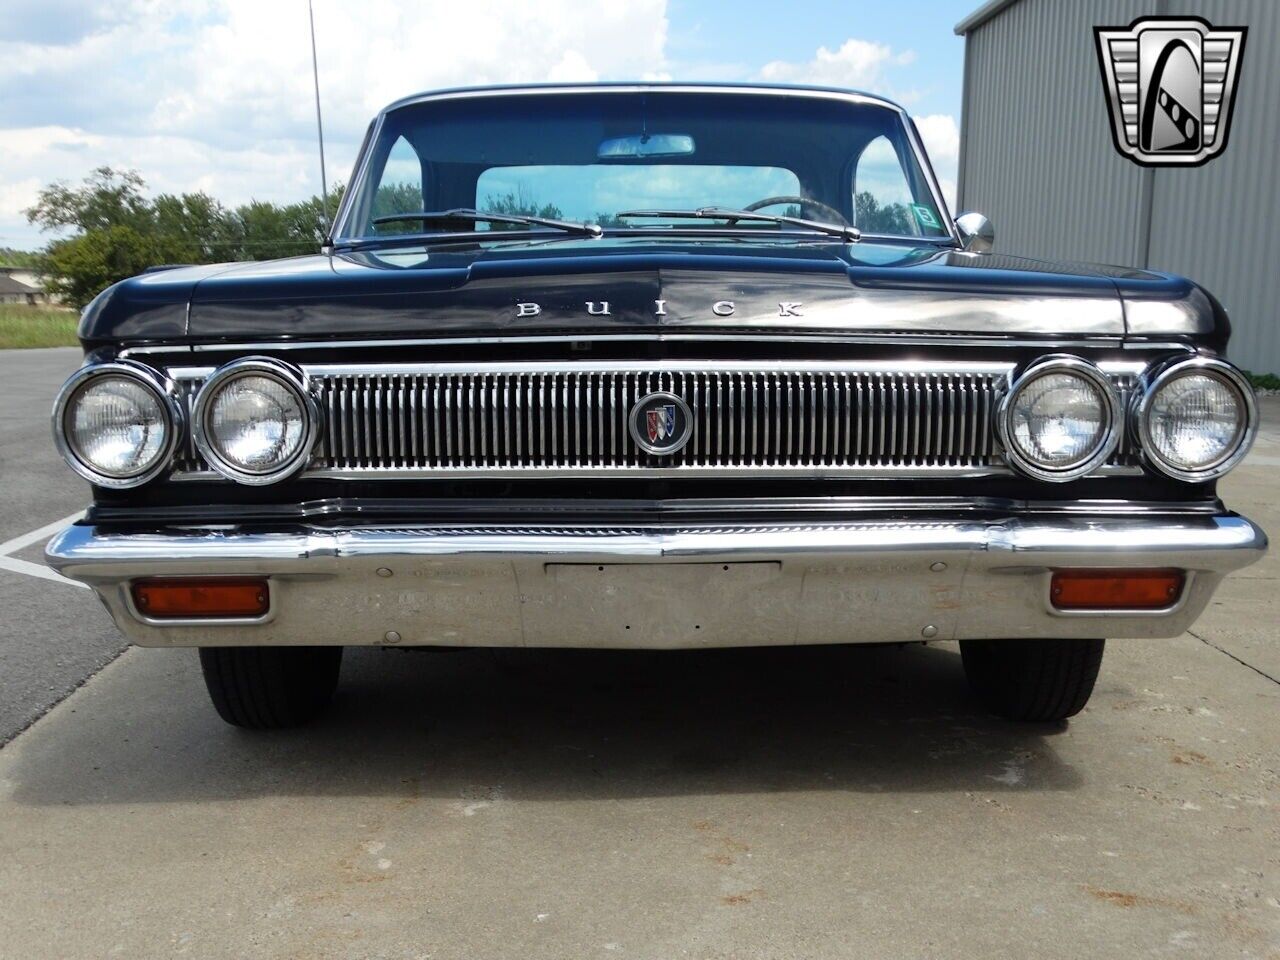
(1037, 158)
(1220, 224)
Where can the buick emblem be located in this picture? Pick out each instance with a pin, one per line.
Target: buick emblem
(1171, 83)
(661, 423)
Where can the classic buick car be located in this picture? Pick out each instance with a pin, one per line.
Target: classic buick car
(652, 366)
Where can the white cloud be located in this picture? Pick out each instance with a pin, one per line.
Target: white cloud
(857, 63)
(941, 136)
(216, 94)
(280, 171)
(870, 66)
(573, 68)
(948, 185)
(16, 196)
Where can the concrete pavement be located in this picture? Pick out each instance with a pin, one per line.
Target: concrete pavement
(766, 804)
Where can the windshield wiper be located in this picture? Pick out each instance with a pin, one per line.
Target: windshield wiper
(718, 213)
(479, 216)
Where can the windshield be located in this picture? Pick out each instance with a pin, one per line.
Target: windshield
(588, 157)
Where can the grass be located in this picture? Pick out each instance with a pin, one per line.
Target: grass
(1263, 381)
(22, 326)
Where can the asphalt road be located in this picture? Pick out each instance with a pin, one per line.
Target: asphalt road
(52, 636)
(766, 803)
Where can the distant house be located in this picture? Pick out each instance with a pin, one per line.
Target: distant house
(21, 285)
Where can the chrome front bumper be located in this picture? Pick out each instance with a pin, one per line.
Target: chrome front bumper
(866, 581)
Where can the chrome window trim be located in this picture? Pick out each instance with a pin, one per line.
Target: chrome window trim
(340, 224)
(1111, 404)
(286, 374)
(534, 89)
(1159, 377)
(162, 386)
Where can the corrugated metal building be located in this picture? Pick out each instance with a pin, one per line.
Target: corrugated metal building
(1036, 156)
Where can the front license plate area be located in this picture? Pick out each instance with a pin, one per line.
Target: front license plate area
(662, 604)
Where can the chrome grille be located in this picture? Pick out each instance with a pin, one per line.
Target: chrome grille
(825, 419)
(1127, 453)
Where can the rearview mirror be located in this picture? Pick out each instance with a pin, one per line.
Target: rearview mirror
(977, 235)
(646, 145)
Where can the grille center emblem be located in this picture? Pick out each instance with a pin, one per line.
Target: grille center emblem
(660, 423)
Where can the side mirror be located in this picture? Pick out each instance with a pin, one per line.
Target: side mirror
(976, 232)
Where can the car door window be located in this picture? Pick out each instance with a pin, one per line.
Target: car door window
(882, 197)
(400, 187)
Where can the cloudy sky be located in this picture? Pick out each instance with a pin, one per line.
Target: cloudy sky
(216, 95)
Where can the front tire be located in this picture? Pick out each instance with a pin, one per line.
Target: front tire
(1049, 679)
(267, 688)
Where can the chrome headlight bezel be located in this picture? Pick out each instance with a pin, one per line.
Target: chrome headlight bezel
(1111, 408)
(287, 375)
(1157, 378)
(159, 385)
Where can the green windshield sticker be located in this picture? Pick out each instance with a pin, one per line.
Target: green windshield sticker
(926, 216)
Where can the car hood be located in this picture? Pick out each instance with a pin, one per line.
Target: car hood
(639, 284)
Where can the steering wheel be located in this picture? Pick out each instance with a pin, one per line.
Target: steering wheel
(831, 212)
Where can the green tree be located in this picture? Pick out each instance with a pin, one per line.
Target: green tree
(78, 268)
(192, 228)
(520, 203)
(263, 231)
(107, 198)
(398, 197)
(874, 218)
(10, 257)
(117, 231)
(312, 218)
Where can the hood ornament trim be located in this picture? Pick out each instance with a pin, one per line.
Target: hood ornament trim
(601, 308)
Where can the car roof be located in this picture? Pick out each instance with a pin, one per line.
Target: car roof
(759, 89)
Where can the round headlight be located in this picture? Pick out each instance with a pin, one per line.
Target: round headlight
(115, 423)
(1060, 420)
(255, 421)
(1196, 419)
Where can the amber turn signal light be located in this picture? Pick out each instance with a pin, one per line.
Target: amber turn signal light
(1116, 589)
(180, 599)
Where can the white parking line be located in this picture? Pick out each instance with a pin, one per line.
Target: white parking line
(26, 567)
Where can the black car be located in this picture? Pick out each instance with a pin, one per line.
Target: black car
(656, 366)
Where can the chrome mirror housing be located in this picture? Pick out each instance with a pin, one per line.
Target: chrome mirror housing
(976, 232)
